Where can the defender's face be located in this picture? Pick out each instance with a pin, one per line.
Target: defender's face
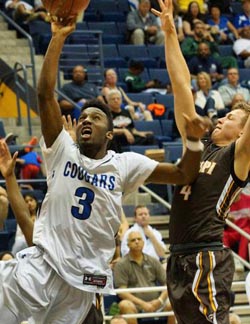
(92, 127)
(228, 128)
(142, 216)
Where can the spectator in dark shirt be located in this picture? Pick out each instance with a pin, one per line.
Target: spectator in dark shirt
(78, 90)
(143, 26)
(134, 81)
(125, 132)
(190, 45)
(205, 62)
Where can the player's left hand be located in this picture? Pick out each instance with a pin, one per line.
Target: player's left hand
(197, 127)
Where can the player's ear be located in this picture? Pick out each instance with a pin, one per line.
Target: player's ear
(109, 135)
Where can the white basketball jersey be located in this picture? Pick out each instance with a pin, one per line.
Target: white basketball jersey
(81, 211)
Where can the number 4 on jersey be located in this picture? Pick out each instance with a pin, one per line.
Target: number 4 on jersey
(186, 191)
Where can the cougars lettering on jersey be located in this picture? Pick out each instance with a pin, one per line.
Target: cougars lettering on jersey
(81, 212)
(99, 180)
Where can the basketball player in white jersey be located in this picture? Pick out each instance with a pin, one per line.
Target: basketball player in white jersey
(55, 281)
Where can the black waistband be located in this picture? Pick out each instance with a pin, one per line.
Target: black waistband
(188, 248)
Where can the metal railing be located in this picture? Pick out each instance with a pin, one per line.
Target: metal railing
(23, 68)
(30, 42)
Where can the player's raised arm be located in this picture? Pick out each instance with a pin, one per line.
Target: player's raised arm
(176, 67)
(18, 205)
(242, 149)
(49, 109)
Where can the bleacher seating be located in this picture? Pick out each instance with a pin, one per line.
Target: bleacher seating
(173, 151)
(160, 75)
(122, 71)
(140, 53)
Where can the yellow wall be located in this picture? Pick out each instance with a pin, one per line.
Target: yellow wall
(8, 104)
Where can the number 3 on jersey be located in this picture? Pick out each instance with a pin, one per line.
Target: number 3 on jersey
(86, 197)
(186, 191)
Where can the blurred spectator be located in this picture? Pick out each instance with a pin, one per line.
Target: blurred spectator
(4, 205)
(6, 256)
(134, 81)
(234, 319)
(20, 241)
(208, 109)
(184, 4)
(240, 216)
(143, 26)
(225, 5)
(205, 91)
(241, 46)
(191, 17)
(153, 243)
(137, 269)
(238, 97)
(78, 90)
(222, 29)
(23, 11)
(137, 110)
(124, 129)
(243, 19)
(230, 89)
(30, 165)
(118, 319)
(205, 62)
(178, 22)
(190, 45)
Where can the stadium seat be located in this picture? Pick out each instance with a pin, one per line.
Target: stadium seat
(167, 100)
(110, 50)
(156, 51)
(226, 50)
(115, 62)
(144, 97)
(244, 74)
(167, 129)
(135, 51)
(82, 25)
(236, 7)
(144, 75)
(106, 27)
(113, 16)
(140, 53)
(173, 151)
(155, 127)
(10, 225)
(4, 241)
(105, 6)
(159, 74)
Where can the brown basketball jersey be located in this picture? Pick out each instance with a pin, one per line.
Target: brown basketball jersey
(198, 210)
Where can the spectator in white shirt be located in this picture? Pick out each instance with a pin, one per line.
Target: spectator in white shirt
(153, 243)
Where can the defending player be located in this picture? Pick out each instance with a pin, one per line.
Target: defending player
(200, 269)
(54, 281)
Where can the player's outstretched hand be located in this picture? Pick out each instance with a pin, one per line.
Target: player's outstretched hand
(63, 26)
(7, 162)
(197, 127)
(166, 15)
(70, 126)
